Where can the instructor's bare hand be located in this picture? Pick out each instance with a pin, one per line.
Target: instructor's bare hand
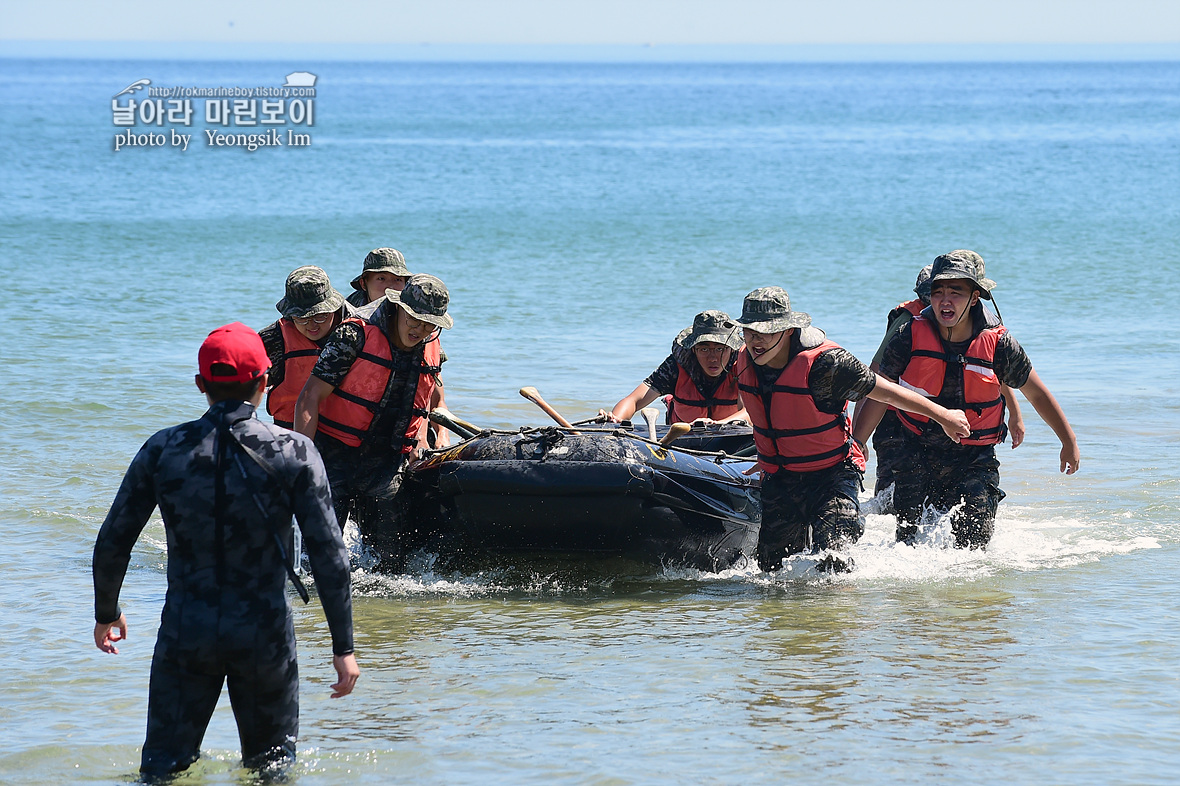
(1070, 458)
(955, 425)
(346, 674)
(105, 634)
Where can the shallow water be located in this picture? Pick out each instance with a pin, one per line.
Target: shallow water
(581, 214)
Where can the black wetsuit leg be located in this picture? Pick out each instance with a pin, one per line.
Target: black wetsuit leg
(182, 694)
(263, 685)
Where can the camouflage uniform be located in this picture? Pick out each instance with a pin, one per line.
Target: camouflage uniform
(812, 511)
(379, 260)
(365, 480)
(226, 615)
(272, 339)
(934, 471)
(663, 379)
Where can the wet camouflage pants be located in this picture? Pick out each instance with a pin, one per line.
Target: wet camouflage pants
(366, 483)
(889, 447)
(808, 511)
(943, 478)
(188, 670)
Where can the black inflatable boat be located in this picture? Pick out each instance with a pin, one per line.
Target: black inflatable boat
(590, 490)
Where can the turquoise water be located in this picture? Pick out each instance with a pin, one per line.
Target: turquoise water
(581, 214)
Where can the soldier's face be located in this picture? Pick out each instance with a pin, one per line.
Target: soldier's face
(377, 283)
(950, 300)
(768, 347)
(712, 356)
(411, 332)
(316, 327)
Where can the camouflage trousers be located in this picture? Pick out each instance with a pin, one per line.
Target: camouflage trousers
(942, 477)
(189, 667)
(365, 482)
(889, 447)
(808, 511)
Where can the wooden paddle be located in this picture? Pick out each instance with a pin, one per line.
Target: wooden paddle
(443, 417)
(532, 395)
(650, 414)
(675, 432)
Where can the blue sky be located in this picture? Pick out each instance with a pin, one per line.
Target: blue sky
(582, 22)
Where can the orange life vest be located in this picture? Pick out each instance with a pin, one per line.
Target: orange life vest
(926, 371)
(914, 306)
(816, 440)
(299, 356)
(687, 403)
(348, 412)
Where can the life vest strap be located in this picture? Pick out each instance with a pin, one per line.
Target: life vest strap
(705, 402)
(783, 461)
(775, 433)
(377, 359)
(372, 406)
(356, 432)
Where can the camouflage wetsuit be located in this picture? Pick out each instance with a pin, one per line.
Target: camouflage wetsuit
(817, 510)
(226, 616)
(934, 471)
(365, 479)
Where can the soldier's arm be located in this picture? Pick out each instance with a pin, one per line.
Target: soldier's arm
(1050, 411)
(953, 421)
(307, 406)
(633, 402)
(1015, 417)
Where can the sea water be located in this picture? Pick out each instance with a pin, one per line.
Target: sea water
(580, 215)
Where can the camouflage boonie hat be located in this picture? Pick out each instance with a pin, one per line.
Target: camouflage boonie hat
(768, 310)
(922, 285)
(381, 260)
(425, 298)
(962, 264)
(715, 326)
(308, 293)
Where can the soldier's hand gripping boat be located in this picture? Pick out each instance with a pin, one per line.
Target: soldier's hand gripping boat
(589, 490)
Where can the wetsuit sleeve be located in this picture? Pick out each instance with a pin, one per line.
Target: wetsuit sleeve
(903, 319)
(272, 341)
(896, 354)
(324, 545)
(338, 355)
(836, 378)
(129, 513)
(1011, 362)
(663, 379)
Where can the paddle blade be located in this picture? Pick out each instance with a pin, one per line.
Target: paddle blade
(675, 432)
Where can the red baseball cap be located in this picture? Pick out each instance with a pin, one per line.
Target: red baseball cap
(238, 349)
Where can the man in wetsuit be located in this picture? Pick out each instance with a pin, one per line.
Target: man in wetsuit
(958, 354)
(227, 486)
(366, 403)
(796, 385)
